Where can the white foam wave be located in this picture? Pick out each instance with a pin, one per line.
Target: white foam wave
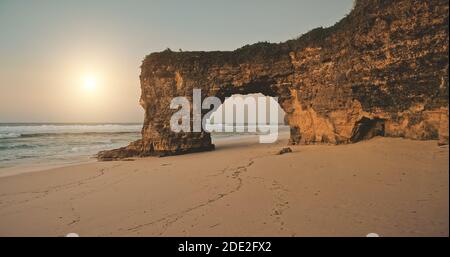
(10, 135)
(11, 131)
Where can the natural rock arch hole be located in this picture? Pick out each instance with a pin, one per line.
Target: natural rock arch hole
(226, 117)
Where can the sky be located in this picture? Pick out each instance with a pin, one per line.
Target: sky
(78, 61)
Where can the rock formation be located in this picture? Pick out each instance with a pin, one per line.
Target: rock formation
(381, 70)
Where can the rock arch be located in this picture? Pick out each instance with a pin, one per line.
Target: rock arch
(383, 69)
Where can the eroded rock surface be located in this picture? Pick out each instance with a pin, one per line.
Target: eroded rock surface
(382, 70)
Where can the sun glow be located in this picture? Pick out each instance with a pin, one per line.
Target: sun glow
(90, 82)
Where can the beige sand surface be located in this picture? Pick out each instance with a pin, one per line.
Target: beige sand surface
(389, 186)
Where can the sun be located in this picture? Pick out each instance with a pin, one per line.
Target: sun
(90, 82)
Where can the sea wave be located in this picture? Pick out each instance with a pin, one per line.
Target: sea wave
(10, 135)
(16, 135)
(75, 134)
(19, 146)
(12, 130)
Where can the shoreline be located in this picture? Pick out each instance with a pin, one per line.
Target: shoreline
(40, 166)
(389, 186)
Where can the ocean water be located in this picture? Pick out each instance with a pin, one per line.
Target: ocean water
(48, 144)
(244, 130)
(43, 144)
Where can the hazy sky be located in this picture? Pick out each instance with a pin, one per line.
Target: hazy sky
(78, 61)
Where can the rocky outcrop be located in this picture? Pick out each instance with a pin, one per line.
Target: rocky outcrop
(382, 70)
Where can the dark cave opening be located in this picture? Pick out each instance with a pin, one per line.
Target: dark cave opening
(367, 128)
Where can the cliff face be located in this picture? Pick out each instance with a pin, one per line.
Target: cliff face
(382, 70)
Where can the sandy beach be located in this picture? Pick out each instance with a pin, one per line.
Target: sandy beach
(389, 186)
